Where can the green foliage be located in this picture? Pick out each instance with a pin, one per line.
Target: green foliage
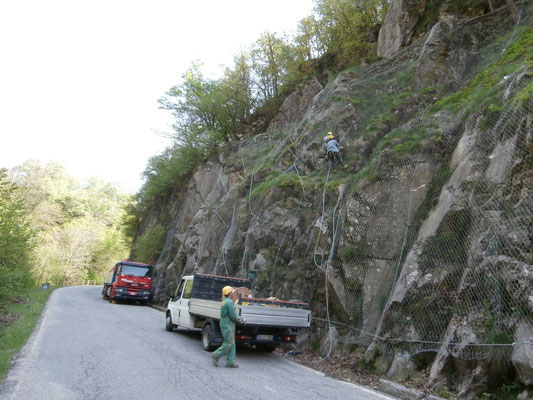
(524, 95)
(342, 27)
(274, 62)
(263, 279)
(26, 314)
(15, 240)
(359, 251)
(444, 392)
(276, 180)
(507, 391)
(148, 247)
(507, 57)
(131, 220)
(408, 140)
(166, 171)
(208, 111)
(76, 228)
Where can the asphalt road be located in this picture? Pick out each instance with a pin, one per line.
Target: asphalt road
(86, 348)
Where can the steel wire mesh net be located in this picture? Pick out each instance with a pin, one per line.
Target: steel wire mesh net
(427, 241)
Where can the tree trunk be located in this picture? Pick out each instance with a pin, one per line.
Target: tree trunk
(513, 11)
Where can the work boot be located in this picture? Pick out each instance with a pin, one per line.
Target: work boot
(215, 361)
(346, 166)
(232, 366)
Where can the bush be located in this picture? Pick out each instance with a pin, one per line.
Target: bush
(15, 241)
(149, 246)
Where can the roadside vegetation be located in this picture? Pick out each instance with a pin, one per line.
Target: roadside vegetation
(18, 317)
(73, 230)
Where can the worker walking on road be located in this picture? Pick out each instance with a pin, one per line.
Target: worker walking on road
(228, 319)
(332, 147)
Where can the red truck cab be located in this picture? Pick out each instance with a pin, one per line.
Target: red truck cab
(128, 280)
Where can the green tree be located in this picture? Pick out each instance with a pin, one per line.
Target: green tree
(267, 65)
(275, 64)
(15, 240)
(47, 193)
(345, 26)
(77, 227)
(236, 93)
(148, 247)
(167, 170)
(196, 104)
(306, 38)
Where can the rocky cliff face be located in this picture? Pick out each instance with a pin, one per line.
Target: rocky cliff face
(423, 244)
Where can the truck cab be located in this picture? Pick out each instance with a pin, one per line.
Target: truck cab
(128, 280)
(178, 304)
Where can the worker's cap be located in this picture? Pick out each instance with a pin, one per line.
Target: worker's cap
(330, 135)
(227, 290)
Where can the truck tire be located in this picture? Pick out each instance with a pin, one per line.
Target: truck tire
(207, 338)
(169, 325)
(265, 347)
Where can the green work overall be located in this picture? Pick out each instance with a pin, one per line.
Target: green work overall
(228, 318)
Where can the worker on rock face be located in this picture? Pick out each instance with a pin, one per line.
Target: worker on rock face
(326, 139)
(228, 319)
(333, 149)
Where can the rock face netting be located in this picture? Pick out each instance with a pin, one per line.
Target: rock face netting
(426, 241)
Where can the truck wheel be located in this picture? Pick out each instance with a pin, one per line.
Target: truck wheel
(265, 347)
(207, 338)
(105, 294)
(169, 326)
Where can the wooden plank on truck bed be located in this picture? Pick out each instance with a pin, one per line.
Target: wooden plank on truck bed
(274, 303)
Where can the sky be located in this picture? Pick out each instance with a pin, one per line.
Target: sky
(80, 80)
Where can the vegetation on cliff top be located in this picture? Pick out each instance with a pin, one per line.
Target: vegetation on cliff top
(212, 112)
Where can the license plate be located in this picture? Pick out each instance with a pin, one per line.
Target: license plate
(132, 293)
(265, 337)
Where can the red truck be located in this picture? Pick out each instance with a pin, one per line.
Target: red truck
(128, 280)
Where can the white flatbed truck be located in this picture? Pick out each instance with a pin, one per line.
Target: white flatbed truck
(196, 306)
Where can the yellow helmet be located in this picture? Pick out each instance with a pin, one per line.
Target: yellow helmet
(227, 290)
(330, 135)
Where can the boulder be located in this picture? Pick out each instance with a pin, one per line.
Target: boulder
(522, 357)
(402, 365)
(397, 29)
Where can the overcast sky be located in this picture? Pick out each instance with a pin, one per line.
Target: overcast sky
(79, 79)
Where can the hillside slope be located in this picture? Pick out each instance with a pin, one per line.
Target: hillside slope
(423, 244)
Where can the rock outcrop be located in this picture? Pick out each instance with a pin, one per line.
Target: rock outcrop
(397, 30)
(423, 245)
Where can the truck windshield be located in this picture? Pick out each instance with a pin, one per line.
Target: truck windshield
(136, 270)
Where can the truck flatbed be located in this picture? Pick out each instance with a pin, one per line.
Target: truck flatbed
(269, 322)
